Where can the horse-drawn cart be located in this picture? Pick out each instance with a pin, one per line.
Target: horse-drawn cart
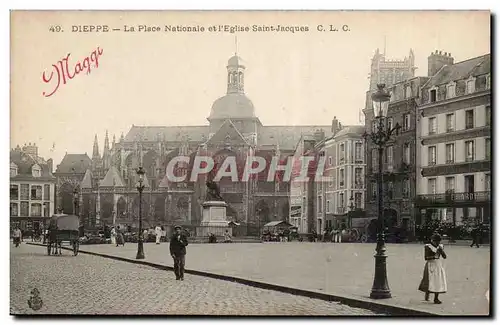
(63, 228)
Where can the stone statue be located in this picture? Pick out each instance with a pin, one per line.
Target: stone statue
(213, 192)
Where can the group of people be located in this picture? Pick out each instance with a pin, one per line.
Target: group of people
(117, 237)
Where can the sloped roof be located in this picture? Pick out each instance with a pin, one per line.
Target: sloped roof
(351, 129)
(288, 136)
(74, 163)
(112, 179)
(25, 162)
(87, 180)
(227, 128)
(169, 133)
(461, 70)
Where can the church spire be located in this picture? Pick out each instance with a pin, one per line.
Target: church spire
(106, 155)
(106, 142)
(95, 151)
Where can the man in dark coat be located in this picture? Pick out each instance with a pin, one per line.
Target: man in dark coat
(178, 243)
(476, 235)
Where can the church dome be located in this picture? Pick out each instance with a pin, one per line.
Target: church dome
(235, 61)
(233, 105)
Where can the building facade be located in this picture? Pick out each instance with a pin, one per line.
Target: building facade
(454, 140)
(32, 188)
(108, 183)
(343, 183)
(399, 169)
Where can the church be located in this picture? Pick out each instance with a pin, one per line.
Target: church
(107, 183)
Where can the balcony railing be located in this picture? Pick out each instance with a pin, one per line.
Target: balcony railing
(455, 197)
(341, 210)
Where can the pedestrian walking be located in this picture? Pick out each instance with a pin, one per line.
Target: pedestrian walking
(434, 278)
(476, 234)
(178, 244)
(158, 232)
(17, 236)
(120, 240)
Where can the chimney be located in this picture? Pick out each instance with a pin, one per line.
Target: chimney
(319, 135)
(50, 164)
(437, 60)
(335, 125)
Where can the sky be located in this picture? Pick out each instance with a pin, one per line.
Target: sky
(161, 78)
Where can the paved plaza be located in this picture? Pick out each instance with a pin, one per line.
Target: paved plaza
(87, 284)
(339, 269)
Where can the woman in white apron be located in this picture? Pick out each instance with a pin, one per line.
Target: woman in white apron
(158, 232)
(434, 278)
(113, 236)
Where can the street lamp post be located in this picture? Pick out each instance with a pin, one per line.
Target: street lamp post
(140, 188)
(75, 201)
(379, 137)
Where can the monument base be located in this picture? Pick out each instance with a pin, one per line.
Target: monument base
(214, 219)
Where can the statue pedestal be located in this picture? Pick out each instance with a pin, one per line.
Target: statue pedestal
(214, 218)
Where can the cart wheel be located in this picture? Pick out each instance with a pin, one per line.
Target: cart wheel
(48, 249)
(76, 246)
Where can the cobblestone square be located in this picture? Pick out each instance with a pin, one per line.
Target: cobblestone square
(87, 284)
(342, 269)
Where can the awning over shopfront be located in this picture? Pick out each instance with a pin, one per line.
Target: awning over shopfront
(278, 224)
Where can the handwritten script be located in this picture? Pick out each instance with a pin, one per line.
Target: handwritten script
(62, 71)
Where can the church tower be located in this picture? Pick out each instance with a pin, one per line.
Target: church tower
(235, 76)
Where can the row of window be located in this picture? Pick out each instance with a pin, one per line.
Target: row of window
(450, 152)
(407, 93)
(390, 190)
(25, 211)
(358, 178)
(450, 184)
(451, 87)
(36, 171)
(342, 203)
(388, 158)
(450, 121)
(389, 123)
(27, 193)
(358, 154)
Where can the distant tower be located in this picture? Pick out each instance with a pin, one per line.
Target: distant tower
(106, 155)
(96, 158)
(390, 72)
(235, 76)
